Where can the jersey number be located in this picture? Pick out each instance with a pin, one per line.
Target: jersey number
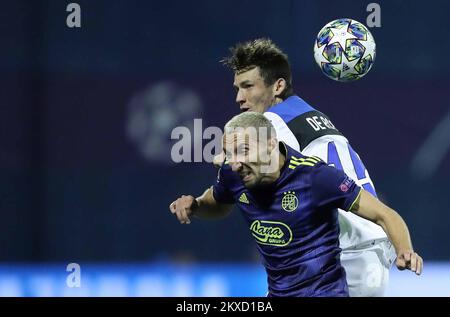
(360, 169)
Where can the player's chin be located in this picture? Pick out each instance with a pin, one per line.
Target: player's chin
(249, 182)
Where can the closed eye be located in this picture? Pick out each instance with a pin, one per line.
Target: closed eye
(243, 150)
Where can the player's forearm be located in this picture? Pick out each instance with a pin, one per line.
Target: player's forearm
(396, 229)
(208, 208)
(392, 223)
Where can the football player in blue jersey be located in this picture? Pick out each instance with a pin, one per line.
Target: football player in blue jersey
(263, 83)
(291, 203)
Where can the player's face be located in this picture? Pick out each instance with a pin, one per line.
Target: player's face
(252, 94)
(248, 157)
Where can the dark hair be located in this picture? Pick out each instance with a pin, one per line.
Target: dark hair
(262, 53)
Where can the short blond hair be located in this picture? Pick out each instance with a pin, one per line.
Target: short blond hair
(250, 120)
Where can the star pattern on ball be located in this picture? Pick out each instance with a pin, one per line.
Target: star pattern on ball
(341, 36)
(348, 67)
(344, 50)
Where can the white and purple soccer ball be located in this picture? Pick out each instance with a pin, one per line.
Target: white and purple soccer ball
(344, 50)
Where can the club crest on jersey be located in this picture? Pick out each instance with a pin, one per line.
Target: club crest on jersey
(289, 202)
(271, 233)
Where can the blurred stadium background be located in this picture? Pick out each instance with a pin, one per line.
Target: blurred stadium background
(85, 122)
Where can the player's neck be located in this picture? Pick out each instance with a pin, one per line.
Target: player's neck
(281, 162)
(270, 179)
(275, 102)
(277, 173)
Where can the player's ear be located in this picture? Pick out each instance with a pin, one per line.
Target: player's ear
(273, 144)
(279, 86)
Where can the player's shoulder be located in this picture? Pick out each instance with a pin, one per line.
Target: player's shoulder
(304, 162)
(289, 109)
(296, 161)
(305, 123)
(226, 174)
(225, 169)
(314, 172)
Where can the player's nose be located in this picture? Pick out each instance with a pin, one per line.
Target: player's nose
(240, 98)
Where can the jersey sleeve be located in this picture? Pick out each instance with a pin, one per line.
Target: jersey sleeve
(332, 188)
(221, 190)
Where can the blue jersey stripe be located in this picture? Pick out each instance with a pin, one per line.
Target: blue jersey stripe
(291, 108)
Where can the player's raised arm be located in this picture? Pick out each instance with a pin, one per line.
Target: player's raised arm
(205, 207)
(210, 208)
(392, 223)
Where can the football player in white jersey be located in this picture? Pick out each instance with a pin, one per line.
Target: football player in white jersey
(263, 83)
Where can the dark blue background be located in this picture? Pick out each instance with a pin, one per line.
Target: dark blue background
(75, 187)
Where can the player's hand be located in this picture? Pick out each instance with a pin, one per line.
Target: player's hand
(219, 159)
(183, 208)
(409, 260)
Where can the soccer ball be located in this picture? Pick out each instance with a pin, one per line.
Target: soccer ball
(344, 50)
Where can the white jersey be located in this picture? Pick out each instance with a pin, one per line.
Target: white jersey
(311, 132)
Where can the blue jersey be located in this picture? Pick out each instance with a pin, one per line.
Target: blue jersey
(294, 222)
